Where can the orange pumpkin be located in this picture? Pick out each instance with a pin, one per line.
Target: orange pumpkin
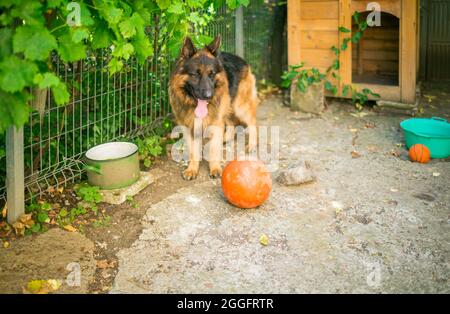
(245, 183)
(419, 153)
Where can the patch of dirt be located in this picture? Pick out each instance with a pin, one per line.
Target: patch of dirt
(125, 225)
(52, 255)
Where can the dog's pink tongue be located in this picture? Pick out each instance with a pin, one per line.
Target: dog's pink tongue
(201, 110)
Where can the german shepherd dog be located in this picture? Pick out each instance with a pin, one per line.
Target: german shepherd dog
(218, 87)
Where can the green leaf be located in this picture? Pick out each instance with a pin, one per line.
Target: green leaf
(85, 15)
(36, 227)
(5, 42)
(356, 17)
(15, 73)
(204, 40)
(336, 64)
(123, 50)
(142, 7)
(328, 86)
(129, 26)
(344, 45)
(14, 109)
(8, 3)
(53, 3)
(115, 65)
(176, 8)
(46, 80)
(301, 86)
(42, 217)
(195, 3)
(35, 42)
(297, 66)
(336, 51)
(356, 37)
(142, 47)
(29, 11)
(344, 30)
(60, 93)
(102, 36)
(63, 212)
(70, 51)
(363, 26)
(79, 34)
(163, 4)
(236, 3)
(113, 15)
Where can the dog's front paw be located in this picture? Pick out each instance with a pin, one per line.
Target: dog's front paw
(190, 174)
(215, 172)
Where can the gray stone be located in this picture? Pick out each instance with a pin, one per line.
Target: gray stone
(311, 101)
(297, 174)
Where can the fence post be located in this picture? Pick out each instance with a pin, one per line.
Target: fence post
(239, 32)
(15, 185)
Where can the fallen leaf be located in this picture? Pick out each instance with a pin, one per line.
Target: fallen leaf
(25, 218)
(355, 154)
(429, 98)
(359, 114)
(19, 228)
(264, 239)
(395, 153)
(5, 244)
(60, 190)
(353, 130)
(56, 206)
(70, 228)
(51, 189)
(102, 264)
(42, 286)
(102, 245)
(4, 211)
(436, 174)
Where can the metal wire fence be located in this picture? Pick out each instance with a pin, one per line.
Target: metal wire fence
(107, 108)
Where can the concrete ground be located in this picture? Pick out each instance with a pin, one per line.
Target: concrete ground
(373, 222)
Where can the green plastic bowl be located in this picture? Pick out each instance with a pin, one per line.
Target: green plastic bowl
(434, 133)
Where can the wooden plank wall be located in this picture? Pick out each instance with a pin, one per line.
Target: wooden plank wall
(318, 31)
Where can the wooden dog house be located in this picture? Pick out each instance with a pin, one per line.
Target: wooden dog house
(386, 58)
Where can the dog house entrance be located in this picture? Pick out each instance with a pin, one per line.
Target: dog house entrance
(375, 58)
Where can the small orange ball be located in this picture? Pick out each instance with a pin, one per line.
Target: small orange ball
(245, 183)
(419, 153)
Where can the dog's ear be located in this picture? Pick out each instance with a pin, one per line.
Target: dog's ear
(214, 46)
(188, 49)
